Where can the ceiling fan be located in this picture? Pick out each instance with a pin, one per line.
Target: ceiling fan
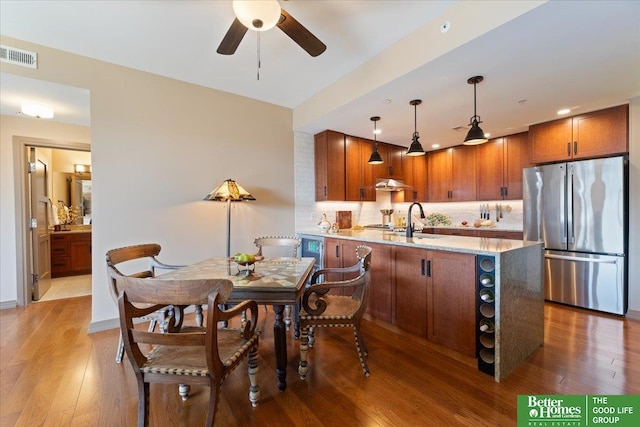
(262, 15)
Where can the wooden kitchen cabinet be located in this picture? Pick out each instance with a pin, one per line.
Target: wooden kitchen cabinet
(435, 296)
(451, 300)
(360, 176)
(410, 289)
(70, 254)
(499, 167)
(596, 134)
(414, 174)
(392, 157)
(329, 154)
(452, 174)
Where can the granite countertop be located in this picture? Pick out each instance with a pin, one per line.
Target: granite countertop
(474, 245)
(494, 227)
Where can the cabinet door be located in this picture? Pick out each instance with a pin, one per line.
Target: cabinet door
(80, 249)
(490, 168)
(410, 289)
(550, 141)
(463, 170)
(601, 133)
(439, 175)
(380, 294)
(329, 166)
(360, 180)
(451, 300)
(516, 156)
(395, 155)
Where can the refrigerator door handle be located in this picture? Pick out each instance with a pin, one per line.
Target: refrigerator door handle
(593, 260)
(571, 225)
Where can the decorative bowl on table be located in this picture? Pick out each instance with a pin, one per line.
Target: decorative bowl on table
(246, 262)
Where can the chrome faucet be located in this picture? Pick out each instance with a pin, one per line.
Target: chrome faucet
(409, 225)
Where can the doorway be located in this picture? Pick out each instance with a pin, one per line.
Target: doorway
(32, 256)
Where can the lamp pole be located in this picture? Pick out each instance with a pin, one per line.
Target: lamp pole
(228, 227)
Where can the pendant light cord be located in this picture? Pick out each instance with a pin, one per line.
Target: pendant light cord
(415, 120)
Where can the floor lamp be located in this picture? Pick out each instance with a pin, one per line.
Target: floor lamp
(229, 191)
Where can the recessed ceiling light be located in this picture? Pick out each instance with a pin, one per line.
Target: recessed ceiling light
(487, 135)
(36, 109)
(564, 111)
(386, 101)
(435, 146)
(445, 27)
(377, 131)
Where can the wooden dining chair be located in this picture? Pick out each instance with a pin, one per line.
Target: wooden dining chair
(322, 308)
(291, 242)
(140, 261)
(203, 357)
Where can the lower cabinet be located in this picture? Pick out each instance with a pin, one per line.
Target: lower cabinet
(428, 293)
(342, 253)
(451, 300)
(70, 254)
(435, 296)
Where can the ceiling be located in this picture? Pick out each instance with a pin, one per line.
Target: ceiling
(584, 55)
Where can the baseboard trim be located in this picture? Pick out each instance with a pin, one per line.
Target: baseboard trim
(633, 314)
(5, 305)
(105, 325)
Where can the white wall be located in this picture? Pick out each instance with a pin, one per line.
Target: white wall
(159, 146)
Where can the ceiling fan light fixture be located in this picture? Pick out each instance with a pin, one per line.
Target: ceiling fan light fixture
(257, 15)
(376, 158)
(475, 136)
(416, 148)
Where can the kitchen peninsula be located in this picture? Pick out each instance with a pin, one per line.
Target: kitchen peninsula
(482, 297)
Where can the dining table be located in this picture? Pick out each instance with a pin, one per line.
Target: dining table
(270, 281)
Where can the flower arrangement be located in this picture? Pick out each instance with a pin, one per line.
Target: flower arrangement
(66, 215)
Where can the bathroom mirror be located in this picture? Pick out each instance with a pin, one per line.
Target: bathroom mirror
(81, 196)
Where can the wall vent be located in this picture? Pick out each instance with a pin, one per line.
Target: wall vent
(459, 128)
(20, 57)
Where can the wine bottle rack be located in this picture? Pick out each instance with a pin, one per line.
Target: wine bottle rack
(486, 314)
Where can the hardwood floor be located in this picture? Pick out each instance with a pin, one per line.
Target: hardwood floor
(53, 374)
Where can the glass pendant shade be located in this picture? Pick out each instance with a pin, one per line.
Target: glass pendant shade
(257, 15)
(416, 148)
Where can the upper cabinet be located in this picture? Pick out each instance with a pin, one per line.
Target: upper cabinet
(596, 134)
(330, 166)
(499, 165)
(414, 173)
(452, 174)
(360, 175)
(392, 156)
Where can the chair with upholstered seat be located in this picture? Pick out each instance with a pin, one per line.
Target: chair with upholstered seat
(342, 308)
(141, 261)
(205, 356)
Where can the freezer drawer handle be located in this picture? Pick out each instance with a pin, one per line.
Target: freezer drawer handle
(569, 258)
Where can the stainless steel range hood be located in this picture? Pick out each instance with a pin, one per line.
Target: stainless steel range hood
(388, 184)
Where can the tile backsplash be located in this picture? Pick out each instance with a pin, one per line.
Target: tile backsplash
(309, 212)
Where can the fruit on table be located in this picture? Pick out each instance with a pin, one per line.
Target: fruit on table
(243, 257)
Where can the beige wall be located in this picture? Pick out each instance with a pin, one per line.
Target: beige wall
(158, 147)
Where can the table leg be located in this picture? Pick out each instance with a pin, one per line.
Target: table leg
(280, 345)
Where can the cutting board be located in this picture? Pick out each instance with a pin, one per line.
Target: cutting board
(343, 219)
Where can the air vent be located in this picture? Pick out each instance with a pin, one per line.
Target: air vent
(20, 57)
(459, 128)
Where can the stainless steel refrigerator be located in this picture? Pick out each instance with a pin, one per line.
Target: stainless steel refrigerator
(580, 211)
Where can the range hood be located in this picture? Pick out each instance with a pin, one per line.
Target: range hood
(388, 184)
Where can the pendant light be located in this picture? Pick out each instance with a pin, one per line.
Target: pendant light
(416, 148)
(375, 158)
(475, 135)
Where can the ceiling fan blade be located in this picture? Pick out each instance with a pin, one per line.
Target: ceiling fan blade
(232, 39)
(300, 34)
